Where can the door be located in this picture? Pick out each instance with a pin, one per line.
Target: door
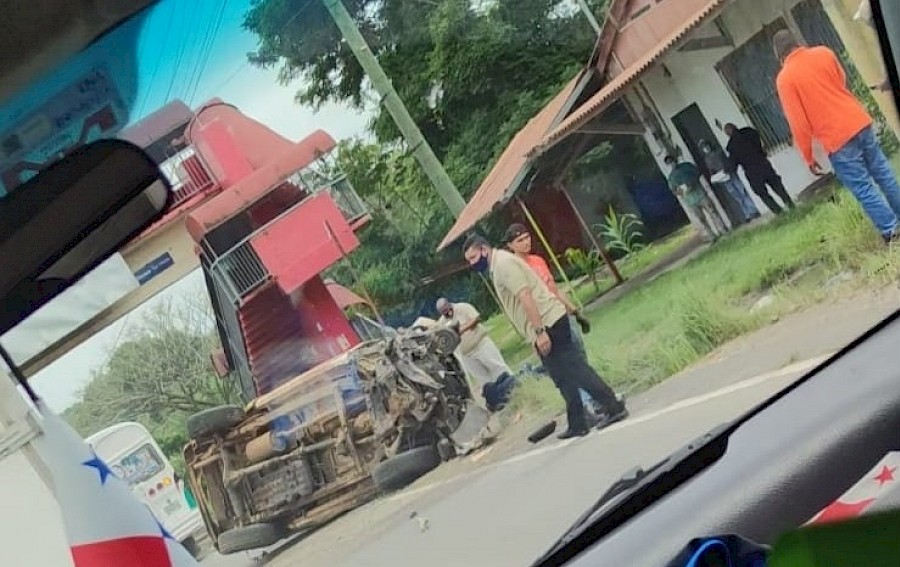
(693, 127)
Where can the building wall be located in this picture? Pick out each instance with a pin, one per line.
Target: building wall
(594, 194)
(692, 78)
(862, 43)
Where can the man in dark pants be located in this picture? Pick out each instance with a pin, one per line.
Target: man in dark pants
(542, 318)
(745, 149)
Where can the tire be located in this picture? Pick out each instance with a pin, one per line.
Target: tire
(192, 547)
(402, 469)
(213, 421)
(245, 538)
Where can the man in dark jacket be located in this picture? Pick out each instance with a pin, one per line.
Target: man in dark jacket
(745, 149)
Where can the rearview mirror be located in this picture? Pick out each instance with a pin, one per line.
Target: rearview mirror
(60, 224)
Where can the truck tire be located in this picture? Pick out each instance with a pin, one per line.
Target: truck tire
(245, 538)
(402, 469)
(213, 420)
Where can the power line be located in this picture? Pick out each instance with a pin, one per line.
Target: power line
(204, 46)
(246, 62)
(159, 59)
(209, 49)
(180, 56)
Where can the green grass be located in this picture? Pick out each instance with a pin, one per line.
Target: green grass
(664, 326)
(585, 291)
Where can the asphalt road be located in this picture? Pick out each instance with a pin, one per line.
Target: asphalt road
(509, 512)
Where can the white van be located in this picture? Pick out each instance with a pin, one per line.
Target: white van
(134, 456)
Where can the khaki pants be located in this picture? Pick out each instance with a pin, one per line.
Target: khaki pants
(483, 364)
(709, 218)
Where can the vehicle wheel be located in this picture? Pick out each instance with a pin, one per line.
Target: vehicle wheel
(213, 420)
(245, 538)
(403, 468)
(192, 547)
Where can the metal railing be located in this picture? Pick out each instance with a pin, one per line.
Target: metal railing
(187, 174)
(241, 270)
(345, 196)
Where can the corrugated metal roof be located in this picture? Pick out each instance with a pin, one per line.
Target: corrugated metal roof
(509, 169)
(614, 89)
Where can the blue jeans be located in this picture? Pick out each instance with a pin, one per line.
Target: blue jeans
(860, 162)
(739, 193)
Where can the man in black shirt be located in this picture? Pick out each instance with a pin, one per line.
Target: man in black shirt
(745, 149)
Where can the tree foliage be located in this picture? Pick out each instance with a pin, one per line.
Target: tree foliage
(157, 374)
(471, 74)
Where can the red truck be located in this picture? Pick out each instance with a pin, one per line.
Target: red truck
(332, 415)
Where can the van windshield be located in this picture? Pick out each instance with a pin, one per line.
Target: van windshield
(139, 465)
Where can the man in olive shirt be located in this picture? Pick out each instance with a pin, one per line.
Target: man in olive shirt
(479, 356)
(684, 181)
(541, 317)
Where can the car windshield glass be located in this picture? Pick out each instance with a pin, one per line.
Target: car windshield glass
(479, 257)
(138, 466)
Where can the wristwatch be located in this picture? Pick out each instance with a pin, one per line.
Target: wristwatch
(540, 331)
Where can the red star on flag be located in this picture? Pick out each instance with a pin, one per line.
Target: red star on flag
(886, 475)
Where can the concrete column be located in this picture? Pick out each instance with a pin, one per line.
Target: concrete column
(862, 45)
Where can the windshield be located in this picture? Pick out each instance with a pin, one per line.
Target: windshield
(138, 466)
(481, 258)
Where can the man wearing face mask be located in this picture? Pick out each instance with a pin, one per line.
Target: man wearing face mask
(542, 318)
(479, 356)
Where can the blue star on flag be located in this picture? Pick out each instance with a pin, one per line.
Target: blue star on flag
(102, 469)
(165, 533)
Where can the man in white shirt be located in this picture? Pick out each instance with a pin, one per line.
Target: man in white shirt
(479, 356)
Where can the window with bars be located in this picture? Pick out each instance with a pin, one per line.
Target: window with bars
(750, 71)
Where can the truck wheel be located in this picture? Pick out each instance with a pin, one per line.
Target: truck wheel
(245, 538)
(213, 420)
(192, 547)
(402, 469)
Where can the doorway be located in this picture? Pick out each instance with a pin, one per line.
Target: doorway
(693, 127)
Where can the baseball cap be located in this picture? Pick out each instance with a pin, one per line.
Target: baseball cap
(514, 231)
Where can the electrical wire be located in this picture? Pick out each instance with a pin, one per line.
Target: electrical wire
(246, 63)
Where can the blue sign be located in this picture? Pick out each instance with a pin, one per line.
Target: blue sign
(153, 268)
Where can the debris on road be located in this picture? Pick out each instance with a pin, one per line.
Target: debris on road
(543, 432)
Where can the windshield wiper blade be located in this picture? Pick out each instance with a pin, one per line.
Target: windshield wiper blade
(631, 482)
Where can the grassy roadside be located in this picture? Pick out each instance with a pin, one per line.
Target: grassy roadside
(740, 285)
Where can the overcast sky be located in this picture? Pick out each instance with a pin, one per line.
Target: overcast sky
(169, 54)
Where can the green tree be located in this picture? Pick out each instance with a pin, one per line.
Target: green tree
(157, 375)
(469, 77)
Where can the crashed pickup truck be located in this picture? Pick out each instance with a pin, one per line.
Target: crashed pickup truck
(373, 419)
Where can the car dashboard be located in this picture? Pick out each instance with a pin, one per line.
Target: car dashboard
(789, 459)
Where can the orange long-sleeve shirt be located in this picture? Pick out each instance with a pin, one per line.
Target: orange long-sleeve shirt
(813, 91)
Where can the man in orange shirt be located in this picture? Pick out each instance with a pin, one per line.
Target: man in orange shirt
(818, 105)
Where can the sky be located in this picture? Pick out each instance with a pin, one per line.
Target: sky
(190, 50)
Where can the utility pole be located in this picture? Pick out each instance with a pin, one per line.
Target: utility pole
(414, 138)
(586, 10)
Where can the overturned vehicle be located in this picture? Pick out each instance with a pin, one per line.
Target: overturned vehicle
(373, 419)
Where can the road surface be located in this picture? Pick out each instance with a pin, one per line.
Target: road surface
(506, 507)
(509, 512)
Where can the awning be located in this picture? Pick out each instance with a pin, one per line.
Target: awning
(613, 90)
(512, 167)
